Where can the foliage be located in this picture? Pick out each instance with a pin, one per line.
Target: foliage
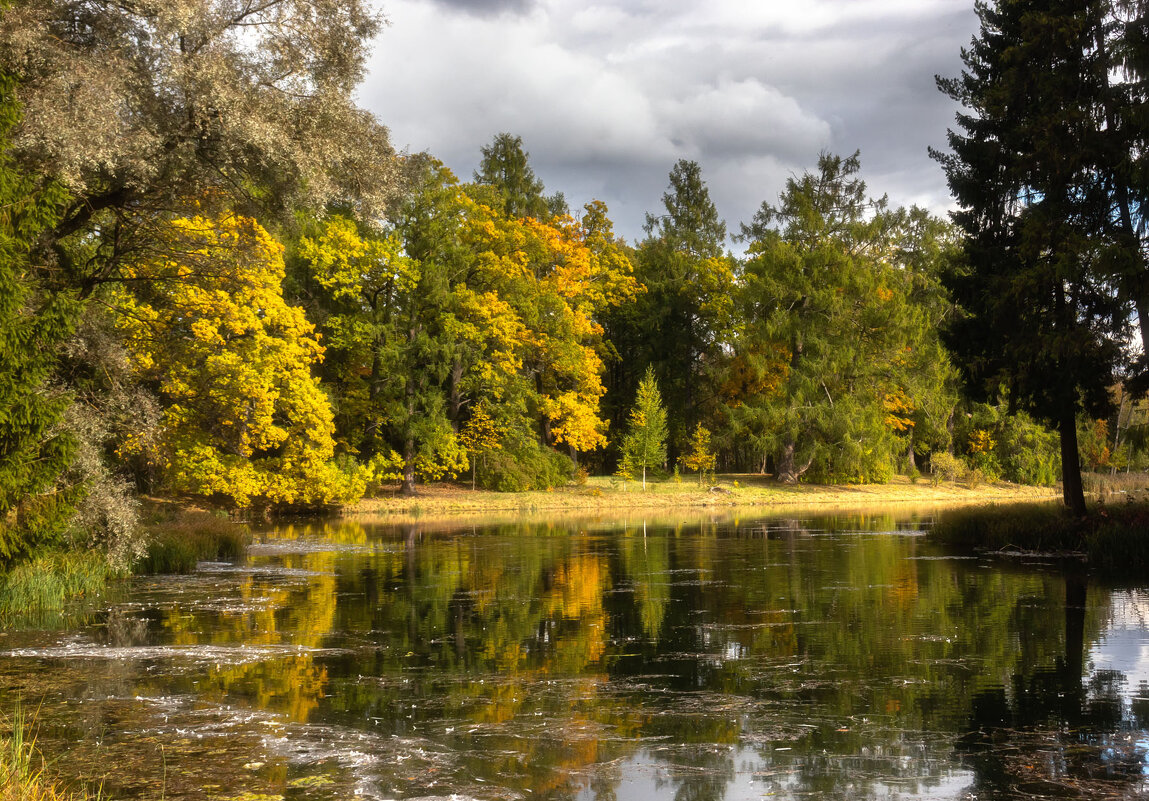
(146, 108)
(504, 166)
(678, 325)
(946, 467)
(700, 458)
(839, 305)
(523, 464)
(34, 451)
(1029, 173)
(644, 445)
(243, 417)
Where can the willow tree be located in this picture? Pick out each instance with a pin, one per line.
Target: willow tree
(1028, 170)
(145, 108)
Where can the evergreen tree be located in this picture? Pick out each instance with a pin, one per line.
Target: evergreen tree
(645, 443)
(679, 324)
(828, 311)
(505, 166)
(1027, 170)
(33, 454)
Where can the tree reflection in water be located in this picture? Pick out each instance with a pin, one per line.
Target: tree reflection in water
(832, 658)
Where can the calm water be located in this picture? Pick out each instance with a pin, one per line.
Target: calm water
(817, 658)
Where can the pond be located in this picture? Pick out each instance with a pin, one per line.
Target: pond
(833, 657)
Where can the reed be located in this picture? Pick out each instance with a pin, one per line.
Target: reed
(22, 774)
(177, 544)
(43, 585)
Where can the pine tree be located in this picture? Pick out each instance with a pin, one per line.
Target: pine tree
(645, 442)
(1027, 170)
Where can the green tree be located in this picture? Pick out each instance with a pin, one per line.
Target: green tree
(827, 304)
(505, 166)
(1027, 170)
(644, 445)
(33, 451)
(678, 325)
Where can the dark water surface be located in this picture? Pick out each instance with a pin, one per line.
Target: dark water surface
(821, 658)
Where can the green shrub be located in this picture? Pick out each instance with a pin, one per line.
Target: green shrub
(523, 466)
(946, 467)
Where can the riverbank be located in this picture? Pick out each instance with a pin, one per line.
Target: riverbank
(605, 495)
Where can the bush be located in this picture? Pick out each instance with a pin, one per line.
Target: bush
(523, 466)
(946, 467)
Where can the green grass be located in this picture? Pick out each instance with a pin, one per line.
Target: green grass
(41, 587)
(175, 545)
(1113, 538)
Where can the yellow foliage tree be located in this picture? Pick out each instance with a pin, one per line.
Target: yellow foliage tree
(243, 418)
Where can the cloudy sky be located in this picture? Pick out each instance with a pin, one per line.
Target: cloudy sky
(608, 95)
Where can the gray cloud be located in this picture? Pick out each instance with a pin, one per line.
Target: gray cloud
(487, 8)
(608, 95)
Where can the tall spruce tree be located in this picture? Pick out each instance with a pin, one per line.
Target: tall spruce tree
(1027, 170)
(679, 323)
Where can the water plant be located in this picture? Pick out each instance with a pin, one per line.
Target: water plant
(43, 585)
(178, 544)
(22, 775)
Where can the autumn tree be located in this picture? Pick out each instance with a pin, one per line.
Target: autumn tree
(1027, 169)
(243, 417)
(700, 457)
(644, 445)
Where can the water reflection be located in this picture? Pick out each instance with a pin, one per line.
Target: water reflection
(837, 657)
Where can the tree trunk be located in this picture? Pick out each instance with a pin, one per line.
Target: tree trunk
(1072, 490)
(911, 457)
(787, 471)
(408, 486)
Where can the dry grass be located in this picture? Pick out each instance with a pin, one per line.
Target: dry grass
(606, 495)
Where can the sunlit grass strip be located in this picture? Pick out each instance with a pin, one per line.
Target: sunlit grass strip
(1114, 538)
(22, 776)
(177, 545)
(44, 584)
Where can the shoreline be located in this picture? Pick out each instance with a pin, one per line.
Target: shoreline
(731, 495)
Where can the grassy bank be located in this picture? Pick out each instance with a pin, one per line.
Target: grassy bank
(602, 494)
(1111, 537)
